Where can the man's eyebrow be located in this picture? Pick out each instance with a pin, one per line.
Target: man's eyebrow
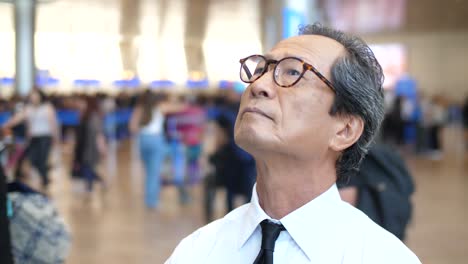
(268, 56)
(287, 54)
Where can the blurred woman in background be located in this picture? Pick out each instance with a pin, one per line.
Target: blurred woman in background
(147, 122)
(42, 130)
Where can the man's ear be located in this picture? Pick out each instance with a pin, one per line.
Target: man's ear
(348, 130)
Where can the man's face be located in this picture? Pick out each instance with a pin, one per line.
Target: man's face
(295, 120)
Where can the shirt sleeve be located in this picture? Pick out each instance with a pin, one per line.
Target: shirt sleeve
(182, 253)
(196, 247)
(384, 248)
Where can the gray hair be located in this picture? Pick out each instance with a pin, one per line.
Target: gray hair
(357, 78)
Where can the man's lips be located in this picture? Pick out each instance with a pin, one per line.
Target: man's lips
(255, 110)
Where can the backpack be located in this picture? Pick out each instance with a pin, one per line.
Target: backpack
(6, 256)
(385, 190)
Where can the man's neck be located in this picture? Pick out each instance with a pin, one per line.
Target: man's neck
(284, 185)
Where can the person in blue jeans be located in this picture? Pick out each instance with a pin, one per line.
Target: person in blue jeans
(152, 152)
(147, 122)
(176, 151)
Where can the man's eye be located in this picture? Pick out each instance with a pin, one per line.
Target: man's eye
(293, 72)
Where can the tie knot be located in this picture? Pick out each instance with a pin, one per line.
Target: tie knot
(270, 232)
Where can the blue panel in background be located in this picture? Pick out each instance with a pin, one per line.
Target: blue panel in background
(4, 117)
(161, 84)
(68, 117)
(197, 84)
(49, 81)
(7, 81)
(86, 82)
(292, 19)
(239, 87)
(406, 86)
(225, 84)
(132, 83)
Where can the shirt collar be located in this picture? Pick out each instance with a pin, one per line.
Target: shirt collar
(306, 225)
(253, 216)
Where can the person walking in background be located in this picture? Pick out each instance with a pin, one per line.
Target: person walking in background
(177, 149)
(389, 206)
(242, 174)
(192, 129)
(393, 125)
(147, 122)
(107, 106)
(42, 130)
(465, 120)
(424, 124)
(438, 119)
(91, 143)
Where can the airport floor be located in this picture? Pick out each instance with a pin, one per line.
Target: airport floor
(113, 226)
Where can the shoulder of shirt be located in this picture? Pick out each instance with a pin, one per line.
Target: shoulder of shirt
(200, 243)
(209, 231)
(379, 244)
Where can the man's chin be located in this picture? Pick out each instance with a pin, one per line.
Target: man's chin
(251, 141)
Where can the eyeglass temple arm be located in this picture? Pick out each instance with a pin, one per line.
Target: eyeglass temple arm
(323, 78)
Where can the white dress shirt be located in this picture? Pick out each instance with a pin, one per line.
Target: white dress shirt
(325, 230)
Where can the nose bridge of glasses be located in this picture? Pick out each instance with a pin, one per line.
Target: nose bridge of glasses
(265, 65)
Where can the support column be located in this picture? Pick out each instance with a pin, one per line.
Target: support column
(277, 23)
(129, 29)
(25, 24)
(195, 28)
(271, 22)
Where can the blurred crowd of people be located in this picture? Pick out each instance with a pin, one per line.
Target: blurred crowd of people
(193, 132)
(164, 124)
(417, 123)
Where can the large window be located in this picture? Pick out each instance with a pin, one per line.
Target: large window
(161, 45)
(393, 59)
(7, 41)
(83, 44)
(233, 33)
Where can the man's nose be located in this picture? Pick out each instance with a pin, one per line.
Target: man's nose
(264, 86)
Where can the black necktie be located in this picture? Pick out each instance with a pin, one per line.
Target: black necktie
(270, 232)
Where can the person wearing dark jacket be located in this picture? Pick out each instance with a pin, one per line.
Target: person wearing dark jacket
(382, 189)
(90, 145)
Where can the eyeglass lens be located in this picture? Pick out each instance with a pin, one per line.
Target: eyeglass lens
(287, 72)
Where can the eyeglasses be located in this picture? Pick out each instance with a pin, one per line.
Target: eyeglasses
(287, 72)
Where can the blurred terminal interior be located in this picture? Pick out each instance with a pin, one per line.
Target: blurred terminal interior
(73, 50)
(178, 41)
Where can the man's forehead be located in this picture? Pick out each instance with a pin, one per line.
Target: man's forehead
(315, 46)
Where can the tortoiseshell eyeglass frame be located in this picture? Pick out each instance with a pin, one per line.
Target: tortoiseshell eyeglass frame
(305, 67)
